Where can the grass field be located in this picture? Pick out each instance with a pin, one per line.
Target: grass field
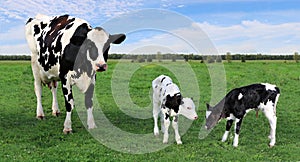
(24, 138)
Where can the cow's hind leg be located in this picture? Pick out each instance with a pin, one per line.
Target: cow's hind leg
(38, 91)
(271, 116)
(238, 123)
(156, 112)
(89, 105)
(55, 110)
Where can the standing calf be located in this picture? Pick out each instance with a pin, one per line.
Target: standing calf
(168, 102)
(241, 100)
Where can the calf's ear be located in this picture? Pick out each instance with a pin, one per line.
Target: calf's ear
(117, 38)
(208, 106)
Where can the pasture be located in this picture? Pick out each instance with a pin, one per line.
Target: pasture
(24, 138)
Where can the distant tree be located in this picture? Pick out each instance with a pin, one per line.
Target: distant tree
(174, 58)
(219, 59)
(210, 59)
(186, 58)
(243, 59)
(296, 57)
(228, 57)
(149, 58)
(140, 58)
(159, 56)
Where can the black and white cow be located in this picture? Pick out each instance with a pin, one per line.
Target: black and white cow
(69, 50)
(168, 102)
(241, 100)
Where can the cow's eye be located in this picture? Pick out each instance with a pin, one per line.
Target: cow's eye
(189, 108)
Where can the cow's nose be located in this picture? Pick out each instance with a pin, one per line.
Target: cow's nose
(196, 117)
(101, 67)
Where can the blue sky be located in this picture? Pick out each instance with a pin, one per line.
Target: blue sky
(236, 26)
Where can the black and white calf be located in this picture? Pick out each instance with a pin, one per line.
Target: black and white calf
(241, 100)
(69, 50)
(168, 102)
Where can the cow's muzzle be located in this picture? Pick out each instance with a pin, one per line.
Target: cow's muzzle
(101, 67)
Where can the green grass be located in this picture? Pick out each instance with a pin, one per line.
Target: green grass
(24, 138)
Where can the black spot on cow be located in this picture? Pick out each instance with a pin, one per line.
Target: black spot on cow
(36, 30)
(43, 25)
(173, 102)
(167, 116)
(163, 79)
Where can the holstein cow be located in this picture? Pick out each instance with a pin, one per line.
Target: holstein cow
(69, 50)
(168, 102)
(240, 101)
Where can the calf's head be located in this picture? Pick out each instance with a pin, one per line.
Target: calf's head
(213, 115)
(187, 109)
(96, 47)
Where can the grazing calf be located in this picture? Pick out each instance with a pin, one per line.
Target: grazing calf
(168, 102)
(69, 50)
(241, 100)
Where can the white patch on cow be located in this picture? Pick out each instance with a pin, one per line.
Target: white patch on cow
(225, 136)
(248, 110)
(269, 86)
(207, 113)
(231, 117)
(240, 96)
(236, 140)
(90, 119)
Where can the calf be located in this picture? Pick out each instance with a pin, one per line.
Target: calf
(69, 50)
(168, 102)
(241, 100)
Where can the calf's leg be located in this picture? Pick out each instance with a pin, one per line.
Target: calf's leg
(271, 116)
(228, 126)
(167, 124)
(238, 123)
(156, 112)
(175, 127)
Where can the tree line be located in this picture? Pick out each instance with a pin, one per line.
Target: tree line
(209, 58)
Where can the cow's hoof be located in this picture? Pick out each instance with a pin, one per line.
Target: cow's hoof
(165, 142)
(67, 131)
(156, 134)
(40, 117)
(179, 142)
(270, 146)
(56, 113)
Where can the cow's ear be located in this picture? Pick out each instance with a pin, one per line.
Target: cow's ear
(207, 106)
(117, 38)
(181, 102)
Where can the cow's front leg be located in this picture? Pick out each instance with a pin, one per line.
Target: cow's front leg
(238, 123)
(175, 127)
(167, 124)
(228, 126)
(89, 105)
(69, 102)
(55, 110)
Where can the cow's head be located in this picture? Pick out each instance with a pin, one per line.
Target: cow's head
(213, 115)
(97, 45)
(187, 109)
